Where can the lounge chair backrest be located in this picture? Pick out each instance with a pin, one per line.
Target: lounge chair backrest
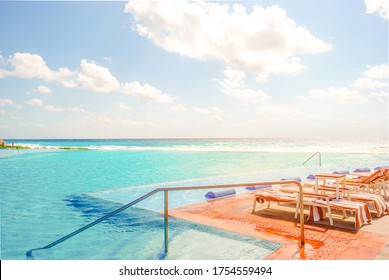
(375, 176)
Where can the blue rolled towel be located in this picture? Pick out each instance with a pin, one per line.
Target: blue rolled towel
(311, 177)
(362, 170)
(380, 167)
(341, 172)
(252, 188)
(298, 179)
(218, 194)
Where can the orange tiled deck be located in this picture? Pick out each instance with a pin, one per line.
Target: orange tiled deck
(277, 224)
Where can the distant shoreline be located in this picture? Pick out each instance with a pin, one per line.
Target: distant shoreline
(19, 147)
(195, 138)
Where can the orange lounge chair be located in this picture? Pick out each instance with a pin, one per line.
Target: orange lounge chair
(376, 200)
(362, 213)
(292, 197)
(372, 182)
(273, 196)
(318, 205)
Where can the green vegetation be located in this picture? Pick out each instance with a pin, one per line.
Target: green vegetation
(17, 147)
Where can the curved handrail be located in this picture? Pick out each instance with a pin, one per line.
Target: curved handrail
(317, 153)
(166, 190)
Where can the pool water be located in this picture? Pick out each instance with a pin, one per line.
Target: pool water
(48, 192)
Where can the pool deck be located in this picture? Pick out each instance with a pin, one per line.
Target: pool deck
(277, 223)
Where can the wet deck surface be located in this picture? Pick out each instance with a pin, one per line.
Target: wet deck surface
(277, 224)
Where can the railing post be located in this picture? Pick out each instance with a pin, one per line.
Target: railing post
(166, 219)
(301, 200)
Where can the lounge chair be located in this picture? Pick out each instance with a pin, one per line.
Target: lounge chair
(285, 197)
(273, 196)
(351, 193)
(325, 201)
(377, 201)
(375, 182)
(360, 209)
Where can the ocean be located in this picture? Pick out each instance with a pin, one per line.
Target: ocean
(58, 186)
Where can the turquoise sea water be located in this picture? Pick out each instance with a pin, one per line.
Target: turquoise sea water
(48, 192)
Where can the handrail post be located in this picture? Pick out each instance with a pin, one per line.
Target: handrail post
(166, 219)
(302, 233)
(301, 200)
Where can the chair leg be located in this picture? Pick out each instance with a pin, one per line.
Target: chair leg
(329, 213)
(254, 204)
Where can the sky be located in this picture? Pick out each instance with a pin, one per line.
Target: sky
(194, 69)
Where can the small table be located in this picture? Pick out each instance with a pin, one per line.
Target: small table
(333, 177)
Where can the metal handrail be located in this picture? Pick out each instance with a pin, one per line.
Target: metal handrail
(317, 153)
(166, 210)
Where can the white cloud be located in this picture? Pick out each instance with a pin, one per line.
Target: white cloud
(51, 108)
(29, 66)
(278, 117)
(381, 95)
(340, 95)
(2, 60)
(373, 79)
(16, 118)
(280, 112)
(112, 121)
(213, 112)
(234, 85)
(206, 111)
(369, 84)
(121, 105)
(381, 7)
(90, 76)
(6, 102)
(43, 89)
(179, 108)
(96, 78)
(377, 71)
(146, 92)
(263, 42)
(35, 102)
